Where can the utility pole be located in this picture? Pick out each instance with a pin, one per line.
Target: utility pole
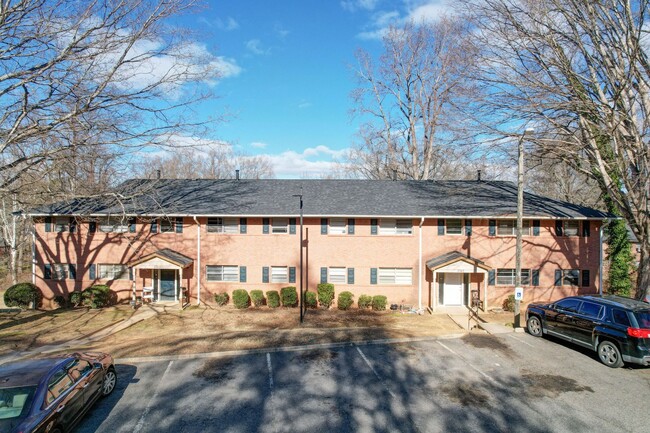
(302, 292)
(520, 223)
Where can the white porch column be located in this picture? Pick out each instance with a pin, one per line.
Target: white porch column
(180, 286)
(485, 281)
(435, 291)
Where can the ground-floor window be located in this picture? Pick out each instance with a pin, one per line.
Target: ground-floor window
(222, 273)
(507, 277)
(113, 272)
(393, 276)
(59, 271)
(279, 274)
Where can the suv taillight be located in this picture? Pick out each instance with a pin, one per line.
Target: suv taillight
(638, 332)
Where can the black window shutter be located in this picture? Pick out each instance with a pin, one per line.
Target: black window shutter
(441, 227)
(154, 226)
(242, 274)
(47, 272)
(265, 226)
(535, 277)
(586, 228)
(558, 228)
(179, 224)
(323, 275)
(92, 227)
(243, 225)
(373, 226)
(292, 226)
(292, 274)
(48, 224)
(558, 277)
(265, 274)
(585, 278)
(535, 227)
(350, 226)
(373, 275)
(73, 225)
(468, 227)
(92, 271)
(132, 225)
(131, 277)
(323, 226)
(72, 272)
(493, 227)
(350, 275)
(491, 277)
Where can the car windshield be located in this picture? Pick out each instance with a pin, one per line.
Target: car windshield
(14, 405)
(643, 319)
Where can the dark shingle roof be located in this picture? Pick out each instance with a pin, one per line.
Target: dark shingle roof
(169, 255)
(275, 197)
(450, 257)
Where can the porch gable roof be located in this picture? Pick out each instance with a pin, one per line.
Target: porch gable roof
(452, 257)
(167, 255)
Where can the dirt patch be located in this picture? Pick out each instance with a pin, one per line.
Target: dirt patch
(483, 341)
(551, 385)
(466, 394)
(215, 370)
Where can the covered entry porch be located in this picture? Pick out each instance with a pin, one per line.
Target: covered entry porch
(457, 280)
(162, 276)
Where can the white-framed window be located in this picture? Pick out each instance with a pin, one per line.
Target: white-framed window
(166, 225)
(279, 274)
(571, 228)
(337, 275)
(113, 225)
(223, 225)
(280, 225)
(395, 276)
(395, 227)
(507, 277)
(112, 272)
(222, 273)
(454, 226)
(61, 224)
(509, 227)
(59, 271)
(338, 226)
(571, 277)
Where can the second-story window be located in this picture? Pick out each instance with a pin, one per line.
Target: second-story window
(222, 225)
(337, 226)
(395, 227)
(279, 225)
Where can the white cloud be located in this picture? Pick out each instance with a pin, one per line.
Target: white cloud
(280, 31)
(229, 24)
(312, 162)
(430, 11)
(258, 145)
(255, 47)
(355, 5)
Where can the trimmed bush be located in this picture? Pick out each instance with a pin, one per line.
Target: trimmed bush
(365, 301)
(325, 294)
(509, 303)
(75, 299)
(345, 300)
(97, 296)
(240, 298)
(257, 296)
(273, 298)
(311, 299)
(289, 296)
(221, 298)
(379, 302)
(22, 294)
(60, 301)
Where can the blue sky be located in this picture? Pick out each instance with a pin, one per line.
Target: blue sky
(287, 72)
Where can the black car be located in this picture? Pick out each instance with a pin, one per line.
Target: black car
(617, 328)
(51, 395)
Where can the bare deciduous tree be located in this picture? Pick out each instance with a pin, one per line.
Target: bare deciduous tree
(578, 70)
(411, 100)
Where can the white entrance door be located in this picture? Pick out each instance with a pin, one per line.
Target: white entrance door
(453, 289)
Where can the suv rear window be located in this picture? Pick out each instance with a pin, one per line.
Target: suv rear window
(643, 318)
(620, 317)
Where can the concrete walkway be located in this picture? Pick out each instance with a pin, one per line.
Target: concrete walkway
(142, 313)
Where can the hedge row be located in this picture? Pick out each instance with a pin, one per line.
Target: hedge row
(23, 294)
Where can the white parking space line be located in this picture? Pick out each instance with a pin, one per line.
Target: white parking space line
(140, 424)
(375, 372)
(521, 340)
(270, 368)
(467, 362)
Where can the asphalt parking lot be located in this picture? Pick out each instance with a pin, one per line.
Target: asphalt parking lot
(479, 383)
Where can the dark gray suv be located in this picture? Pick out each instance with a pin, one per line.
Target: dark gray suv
(617, 328)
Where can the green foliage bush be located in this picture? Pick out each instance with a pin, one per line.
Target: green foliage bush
(325, 294)
(75, 299)
(240, 298)
(345, 300)
(311, 299)
(22, 294)
(97, 296)
(289, 296)
(509, 303)
(221, 298)
(257, 296)
(60, 301)
(365, 301)
(273, 298)
(379, 302)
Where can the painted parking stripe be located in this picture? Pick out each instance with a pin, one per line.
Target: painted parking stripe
(375, 371)
(140, 424)
(270, 369)
(467, 362)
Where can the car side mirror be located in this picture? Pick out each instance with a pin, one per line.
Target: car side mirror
(98, 365)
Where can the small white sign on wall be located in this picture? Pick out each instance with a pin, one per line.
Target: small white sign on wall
(519, 293)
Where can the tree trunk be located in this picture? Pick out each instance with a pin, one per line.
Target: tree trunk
(643, 276)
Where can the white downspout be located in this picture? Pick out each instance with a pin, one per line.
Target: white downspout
(198, 261)
(600, 258)
(33, 230)
(420, 268)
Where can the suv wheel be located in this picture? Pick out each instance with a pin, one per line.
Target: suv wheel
(609, 354)
(534, 326)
